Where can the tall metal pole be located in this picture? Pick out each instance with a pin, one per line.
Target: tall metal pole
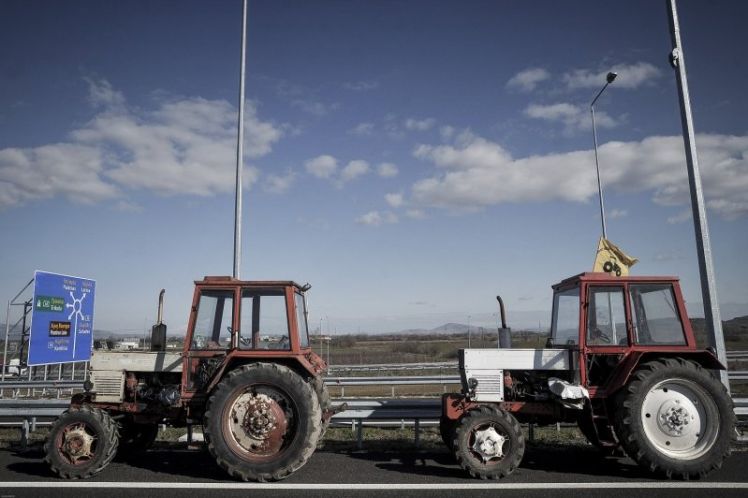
(703, 246)
(609, 79)
(597, 168)
(240, 154)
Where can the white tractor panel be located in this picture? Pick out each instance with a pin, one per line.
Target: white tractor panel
(136, 361)
(486, 367)
(517, 359)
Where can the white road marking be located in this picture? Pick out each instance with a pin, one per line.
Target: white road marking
(455, 486)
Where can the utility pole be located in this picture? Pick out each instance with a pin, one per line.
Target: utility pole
(608, 80)
(703, 246)
(240, 154)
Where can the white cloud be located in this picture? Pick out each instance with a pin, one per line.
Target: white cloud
(361, 86)
(362, 129)
(182, 146)
(323, 166)
(630, 76)
(102, 94)
(682, 217)
(74, 171)
(527, 80)
(387, 170)
(476, 172)
(446, 132)
(573, 117)
(395, 200)
(353, 170)
(375, 218)
(416, 214)
(315, 107)
(615, 214)
(419, 124)
(278, 184)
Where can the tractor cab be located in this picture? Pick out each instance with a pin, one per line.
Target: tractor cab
(236, 321)
(610, 319)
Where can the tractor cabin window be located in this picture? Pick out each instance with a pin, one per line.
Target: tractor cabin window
(301, 320)
(565, 319)
(606, 317)
(264, 321)
(655, 315)
(215, 314)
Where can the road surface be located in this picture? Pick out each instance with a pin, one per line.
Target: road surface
(564, 470)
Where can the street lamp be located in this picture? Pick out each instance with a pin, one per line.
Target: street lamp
(608, 80)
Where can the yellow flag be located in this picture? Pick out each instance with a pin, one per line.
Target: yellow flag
(610, 259)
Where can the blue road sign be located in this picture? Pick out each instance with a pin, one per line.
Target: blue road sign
(61, 319)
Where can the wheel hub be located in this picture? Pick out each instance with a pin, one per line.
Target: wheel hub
(259, 418)
(257, 423)
(77, 444)
(673, 418)
(489, 444)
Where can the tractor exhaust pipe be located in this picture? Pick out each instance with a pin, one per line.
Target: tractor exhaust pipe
(158, 331)
(505, 333)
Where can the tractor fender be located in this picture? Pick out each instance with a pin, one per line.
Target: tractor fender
(297, 363)
(631, 362)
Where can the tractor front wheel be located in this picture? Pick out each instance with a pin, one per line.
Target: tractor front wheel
(488, 443)
(81, 442)
(262, 422)
(676, 419)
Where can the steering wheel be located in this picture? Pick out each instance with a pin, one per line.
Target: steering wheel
(597, 334)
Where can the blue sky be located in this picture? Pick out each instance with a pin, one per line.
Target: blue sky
(409, 159)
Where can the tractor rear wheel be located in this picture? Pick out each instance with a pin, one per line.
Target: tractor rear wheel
(488, 442)
(262, 422)
(325, 402)
(676, 419)
(81, 442)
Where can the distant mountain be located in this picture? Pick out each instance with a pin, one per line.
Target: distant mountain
(735, 330)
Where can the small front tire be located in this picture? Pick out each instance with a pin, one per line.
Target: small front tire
(489, 442)
(81, 443)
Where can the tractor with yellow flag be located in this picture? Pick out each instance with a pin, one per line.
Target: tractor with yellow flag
(621, 362)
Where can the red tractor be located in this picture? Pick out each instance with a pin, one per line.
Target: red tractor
(246, 373)
(621, 362)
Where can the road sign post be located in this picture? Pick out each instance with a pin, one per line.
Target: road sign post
(61, 319)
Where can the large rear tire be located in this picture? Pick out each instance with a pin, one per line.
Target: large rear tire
(489, 443)
(262, 422)
(81, 442)
(675, 419)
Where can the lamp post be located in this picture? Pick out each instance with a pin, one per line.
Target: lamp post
(608, 80)
(240, 152)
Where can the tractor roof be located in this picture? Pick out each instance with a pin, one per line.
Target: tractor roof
(594, 277)
(219, 281)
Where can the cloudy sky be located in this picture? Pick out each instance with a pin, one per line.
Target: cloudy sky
(409, 159)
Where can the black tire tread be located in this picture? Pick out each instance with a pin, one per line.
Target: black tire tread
(488, 412)
(224, 388)
(635, 444)
(111, 441)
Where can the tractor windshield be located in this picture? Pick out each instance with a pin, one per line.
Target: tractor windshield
(565, 319)
(301, 320)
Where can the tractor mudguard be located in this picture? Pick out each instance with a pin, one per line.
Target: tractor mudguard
(705, 358)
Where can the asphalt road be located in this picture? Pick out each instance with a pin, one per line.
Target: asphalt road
(566, 471)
